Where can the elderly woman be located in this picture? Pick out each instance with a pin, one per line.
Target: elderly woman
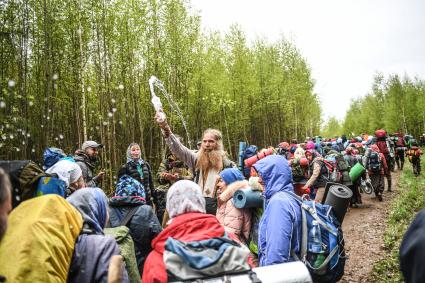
(138, 169)
(93, 250)
(236, 221)
(188, 222)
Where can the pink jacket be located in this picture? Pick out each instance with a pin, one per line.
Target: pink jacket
(236, 221)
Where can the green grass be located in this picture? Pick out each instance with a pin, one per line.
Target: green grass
(403, 208)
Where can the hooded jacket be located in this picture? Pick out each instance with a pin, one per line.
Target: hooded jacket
(93, 250)
(144, 225)
(236, 221)
(192, 226)
(280, 225)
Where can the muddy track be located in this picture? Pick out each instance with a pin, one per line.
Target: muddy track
(363, 232)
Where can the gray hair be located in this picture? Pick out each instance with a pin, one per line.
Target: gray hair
(184, 196)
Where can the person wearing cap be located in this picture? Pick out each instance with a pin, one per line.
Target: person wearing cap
(86, 158)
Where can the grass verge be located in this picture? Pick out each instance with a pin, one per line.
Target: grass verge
(403, 208)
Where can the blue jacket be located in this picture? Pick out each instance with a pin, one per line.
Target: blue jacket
(280, 225)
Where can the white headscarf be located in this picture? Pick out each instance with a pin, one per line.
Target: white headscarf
(184, 196)
(67, 171)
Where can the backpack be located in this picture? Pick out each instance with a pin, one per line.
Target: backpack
(206, 258)
(383, 147)
(298, 172)
(322, 241)
(374, 164)
(39, 243)
(121, 233)
(24, 177)
(52, 155)
(248, 152)
(252, 241)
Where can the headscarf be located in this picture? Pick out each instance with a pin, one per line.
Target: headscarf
(310, 145)
(129, 187)
(67, 171)
(230, 175)
(184, 196)
(93, 205)
(138, 160)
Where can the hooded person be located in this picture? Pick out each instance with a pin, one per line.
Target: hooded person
(143, 225)
(93, 250)
(280, 226)
(236, 221)
(188, 222)
(68, 172)
(140, 170)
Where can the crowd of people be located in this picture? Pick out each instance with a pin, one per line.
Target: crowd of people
(188, 205)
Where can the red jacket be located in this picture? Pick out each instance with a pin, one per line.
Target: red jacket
(191, 226)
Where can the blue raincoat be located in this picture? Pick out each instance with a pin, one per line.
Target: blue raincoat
(280, 225)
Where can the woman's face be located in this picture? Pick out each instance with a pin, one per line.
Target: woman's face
(221, 185)
(135, 151)
(79, 184)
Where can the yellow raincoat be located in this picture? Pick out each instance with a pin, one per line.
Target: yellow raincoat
(39, 242)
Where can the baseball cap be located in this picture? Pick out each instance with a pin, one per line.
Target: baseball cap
(93, 144)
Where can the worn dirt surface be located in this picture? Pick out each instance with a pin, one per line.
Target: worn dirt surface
(363, 229)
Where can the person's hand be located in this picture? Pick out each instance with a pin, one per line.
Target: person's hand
(101, 175)
(161, 120)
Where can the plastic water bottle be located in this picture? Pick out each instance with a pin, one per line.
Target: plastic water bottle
(315, 237)
(158, 108)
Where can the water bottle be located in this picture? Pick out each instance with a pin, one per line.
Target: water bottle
(315, 238)
(158, 108)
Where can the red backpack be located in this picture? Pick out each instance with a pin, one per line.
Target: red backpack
(383, 148)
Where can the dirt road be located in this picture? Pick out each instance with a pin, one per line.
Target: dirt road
(363, 232)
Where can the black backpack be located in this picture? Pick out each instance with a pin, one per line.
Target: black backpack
(374, 162)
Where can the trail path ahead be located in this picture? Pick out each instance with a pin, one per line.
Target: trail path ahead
(364, 228)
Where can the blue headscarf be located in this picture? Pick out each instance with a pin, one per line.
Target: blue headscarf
(93, 205)
(231, 175)
(129, 187)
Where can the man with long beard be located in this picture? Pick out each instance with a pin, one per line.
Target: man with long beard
(206, 163)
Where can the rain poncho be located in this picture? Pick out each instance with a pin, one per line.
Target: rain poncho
(280, 225)
(67, 171)
(40, 239)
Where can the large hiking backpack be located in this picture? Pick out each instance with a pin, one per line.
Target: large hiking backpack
(24, 176)
(252, 240)
(374, 164)
(383, 147)
(248, 152)
(298, 170)
(206, 258)
(322, 241)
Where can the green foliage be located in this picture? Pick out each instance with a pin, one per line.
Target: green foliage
(332, 128)
(393, 104)
(402, 211)
(81, 68)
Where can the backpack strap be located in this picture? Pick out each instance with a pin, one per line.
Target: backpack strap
(129, 215)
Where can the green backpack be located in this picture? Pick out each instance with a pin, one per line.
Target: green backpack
(125, 242)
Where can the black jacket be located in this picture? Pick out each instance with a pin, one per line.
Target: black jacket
(87, 167)
(144, 225)
(130, 168)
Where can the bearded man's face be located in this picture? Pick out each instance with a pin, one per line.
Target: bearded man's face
(208, 142)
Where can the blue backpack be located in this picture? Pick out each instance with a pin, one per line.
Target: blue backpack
(248, 152)
(322, 242)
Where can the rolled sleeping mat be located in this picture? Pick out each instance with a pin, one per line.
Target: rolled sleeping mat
(290, 272)
(356, 171)
(338, 197)
(247, 198)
